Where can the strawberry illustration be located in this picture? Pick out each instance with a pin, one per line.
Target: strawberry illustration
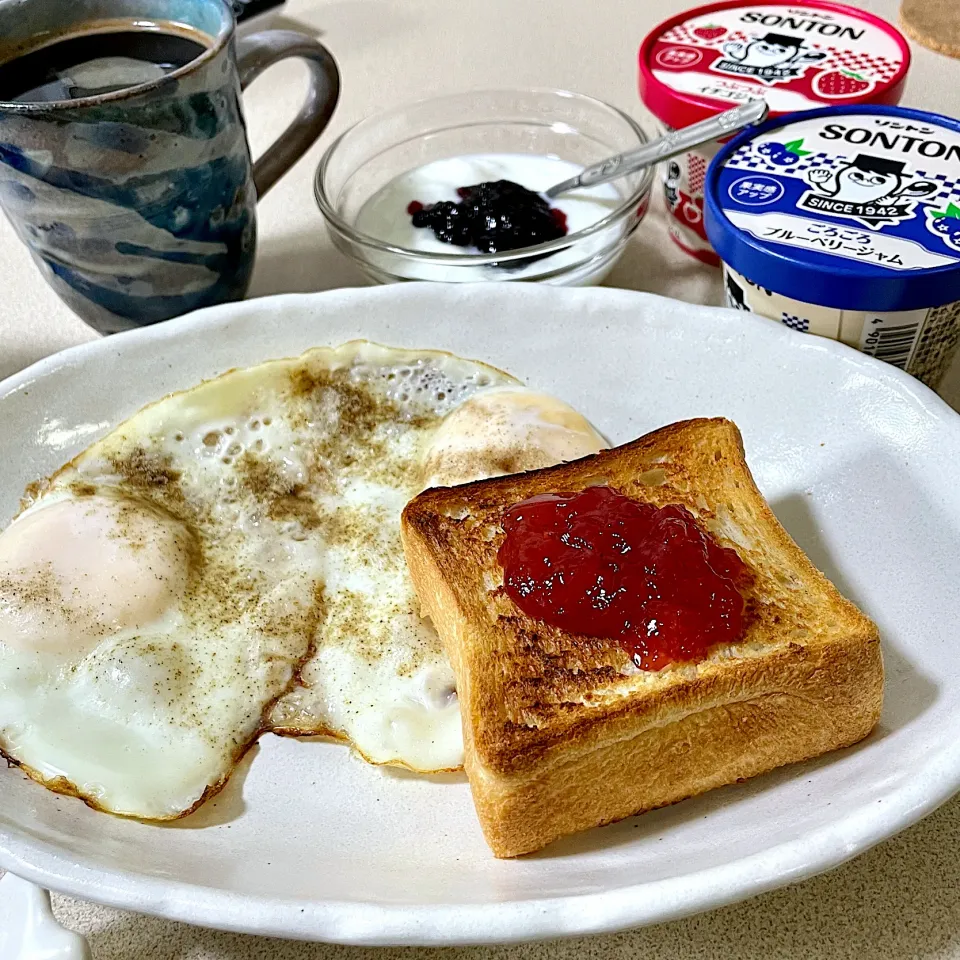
(709, 31)
(837, 84)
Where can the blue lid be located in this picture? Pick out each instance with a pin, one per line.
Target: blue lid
(853, 207)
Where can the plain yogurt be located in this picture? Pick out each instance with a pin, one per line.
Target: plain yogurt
(385, 217)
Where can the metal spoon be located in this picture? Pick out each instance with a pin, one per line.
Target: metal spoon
(679, 141)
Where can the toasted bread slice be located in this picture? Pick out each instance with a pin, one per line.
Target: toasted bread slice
(563, 732)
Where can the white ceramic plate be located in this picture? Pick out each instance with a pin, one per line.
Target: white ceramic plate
(858, 460)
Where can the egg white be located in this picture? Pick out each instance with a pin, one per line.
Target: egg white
(379, 676)
(228, 561)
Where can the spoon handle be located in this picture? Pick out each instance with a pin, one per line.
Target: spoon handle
(678, 141)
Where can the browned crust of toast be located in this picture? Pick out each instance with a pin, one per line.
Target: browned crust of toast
(794, 707)
(558, 736)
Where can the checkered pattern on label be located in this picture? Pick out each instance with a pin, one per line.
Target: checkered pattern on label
(747, 159)
(870, 67)
(697, 173)
(935, 348)
(681, 33)
(949, 189)
(794, 322)
(816, 160)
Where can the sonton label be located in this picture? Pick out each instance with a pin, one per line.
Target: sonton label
(861, 187)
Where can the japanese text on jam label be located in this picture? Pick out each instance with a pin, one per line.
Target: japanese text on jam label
(678, 57)
(832, 239)
(756, 191)
(824, 236)
(727, 90)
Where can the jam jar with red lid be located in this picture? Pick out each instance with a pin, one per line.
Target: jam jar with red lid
(795, 56)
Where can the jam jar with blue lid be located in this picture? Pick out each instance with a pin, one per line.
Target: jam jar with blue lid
(845, 222)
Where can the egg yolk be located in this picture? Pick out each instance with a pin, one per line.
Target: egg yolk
(76, 570)
(499, 432)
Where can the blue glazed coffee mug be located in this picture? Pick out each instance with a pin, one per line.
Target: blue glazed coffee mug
(124, 162)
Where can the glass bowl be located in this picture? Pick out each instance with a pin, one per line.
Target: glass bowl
(550, 123)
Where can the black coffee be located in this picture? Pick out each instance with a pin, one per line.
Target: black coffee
(92, 63)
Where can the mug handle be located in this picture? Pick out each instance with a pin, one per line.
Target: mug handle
(258, 51)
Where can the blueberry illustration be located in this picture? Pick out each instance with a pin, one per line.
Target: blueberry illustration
(778, 153)
(946, 225)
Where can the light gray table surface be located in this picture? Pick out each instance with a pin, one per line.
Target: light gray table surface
(900, 900)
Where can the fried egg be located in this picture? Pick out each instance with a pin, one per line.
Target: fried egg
(228, 561)
(379, 677)
(505, 430)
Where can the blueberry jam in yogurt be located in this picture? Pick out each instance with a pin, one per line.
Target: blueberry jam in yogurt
(487, 203)
(491, 217)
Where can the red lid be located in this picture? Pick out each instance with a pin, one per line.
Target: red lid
(797, 57)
